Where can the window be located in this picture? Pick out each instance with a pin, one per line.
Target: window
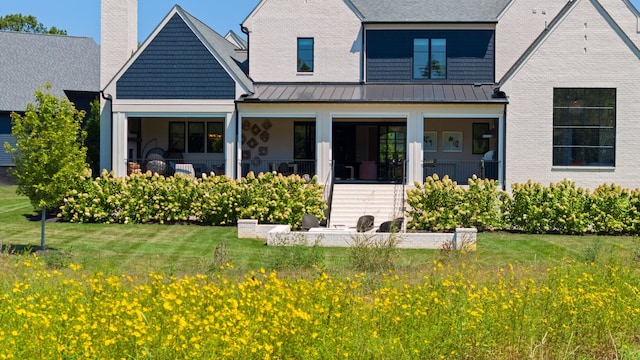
(584, 127)
(305, 54)
(176, 137)
(304, 140)
(215, 137)
(196, 138)
(429, 58)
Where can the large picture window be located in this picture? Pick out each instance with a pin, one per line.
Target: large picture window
(305, 54)
(191, 136)
(429, 58)
(584, 126)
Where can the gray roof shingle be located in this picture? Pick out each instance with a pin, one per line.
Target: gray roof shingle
(27, 61)
(401, 11)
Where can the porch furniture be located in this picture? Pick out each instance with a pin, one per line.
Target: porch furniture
(185, 169)
(350, 168)
(368, 170)
(283, 169)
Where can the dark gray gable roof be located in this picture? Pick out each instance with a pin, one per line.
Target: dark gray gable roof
(225, 51)
(27, 61)
(421, 11)
(551, 27)
(374, 93)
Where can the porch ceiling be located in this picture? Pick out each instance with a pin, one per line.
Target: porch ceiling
(374, 93)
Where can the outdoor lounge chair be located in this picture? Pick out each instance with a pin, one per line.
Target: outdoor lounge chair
(391, 226)
(365, 223)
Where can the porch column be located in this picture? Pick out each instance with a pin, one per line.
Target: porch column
(105, 136)
(230, 139)
(119, 144)
(415, 131)
(501, 143)
(323, 146)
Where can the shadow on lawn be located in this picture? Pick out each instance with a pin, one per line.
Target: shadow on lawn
(51, 217)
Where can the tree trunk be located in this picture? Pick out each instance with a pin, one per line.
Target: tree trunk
(43, 219)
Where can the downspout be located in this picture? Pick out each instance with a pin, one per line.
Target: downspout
(238, 135)
(109, 98)
(245, 31)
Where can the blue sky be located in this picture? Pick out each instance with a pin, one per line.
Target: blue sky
(82, 17)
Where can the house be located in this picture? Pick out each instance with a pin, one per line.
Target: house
(70, 64)
(381, 91)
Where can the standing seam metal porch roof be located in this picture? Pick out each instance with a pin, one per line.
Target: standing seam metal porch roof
(374, 93)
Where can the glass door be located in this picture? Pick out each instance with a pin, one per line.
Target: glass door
(392, 152)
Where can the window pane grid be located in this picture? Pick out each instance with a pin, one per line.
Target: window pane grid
(584, 127)
(429, 58)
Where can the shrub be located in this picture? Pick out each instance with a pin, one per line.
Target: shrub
(216, 200)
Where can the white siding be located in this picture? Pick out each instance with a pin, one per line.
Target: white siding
(5, 159)
(583, 51)
(275, 26)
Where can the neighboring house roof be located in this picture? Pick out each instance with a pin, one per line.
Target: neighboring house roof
(236, 39)
(522, 60)
(28, 61)
(374, 93)
(412, 11)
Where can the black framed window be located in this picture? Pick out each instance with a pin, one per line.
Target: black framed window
(429, 58)
(305, 54)
(480, 142)
(196, 137)
(177, 137)
(584, 126)
(304, 140)
(215, 137)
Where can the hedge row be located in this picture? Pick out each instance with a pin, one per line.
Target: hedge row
(215, 200)
(564, 208)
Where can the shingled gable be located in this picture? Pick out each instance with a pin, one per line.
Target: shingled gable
(552, 27)
(209, 67)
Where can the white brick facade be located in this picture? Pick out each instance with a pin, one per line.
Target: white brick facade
(273, 33)
(519, 25)
(583, 51)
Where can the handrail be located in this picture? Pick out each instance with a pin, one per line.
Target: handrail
(327, 193)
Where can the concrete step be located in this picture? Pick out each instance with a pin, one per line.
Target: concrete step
(350, 201)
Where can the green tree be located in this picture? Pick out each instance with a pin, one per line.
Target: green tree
(27, 23)
(92, 141)
(48, 155)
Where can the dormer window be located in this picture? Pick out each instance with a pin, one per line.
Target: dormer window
(429, 58)
(305, 54)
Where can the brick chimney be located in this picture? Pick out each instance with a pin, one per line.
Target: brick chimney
(118, 36)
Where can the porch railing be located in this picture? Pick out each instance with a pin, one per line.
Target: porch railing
(461, 171)
(283, 166)
(169, 166)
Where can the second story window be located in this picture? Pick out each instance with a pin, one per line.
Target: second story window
(305, 54)
(429, 58)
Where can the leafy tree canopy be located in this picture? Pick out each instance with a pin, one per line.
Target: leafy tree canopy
(49, 156)
(27, 23)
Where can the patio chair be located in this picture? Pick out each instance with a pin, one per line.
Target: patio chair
(308, 222)
(365, 223)
(391, 226)
(283, 169)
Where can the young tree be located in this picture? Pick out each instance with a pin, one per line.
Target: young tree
(49, 155)
(27, 23)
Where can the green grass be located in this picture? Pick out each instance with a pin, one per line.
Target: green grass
(182, 249)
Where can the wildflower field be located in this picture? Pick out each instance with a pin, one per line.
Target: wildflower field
(453, 310)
